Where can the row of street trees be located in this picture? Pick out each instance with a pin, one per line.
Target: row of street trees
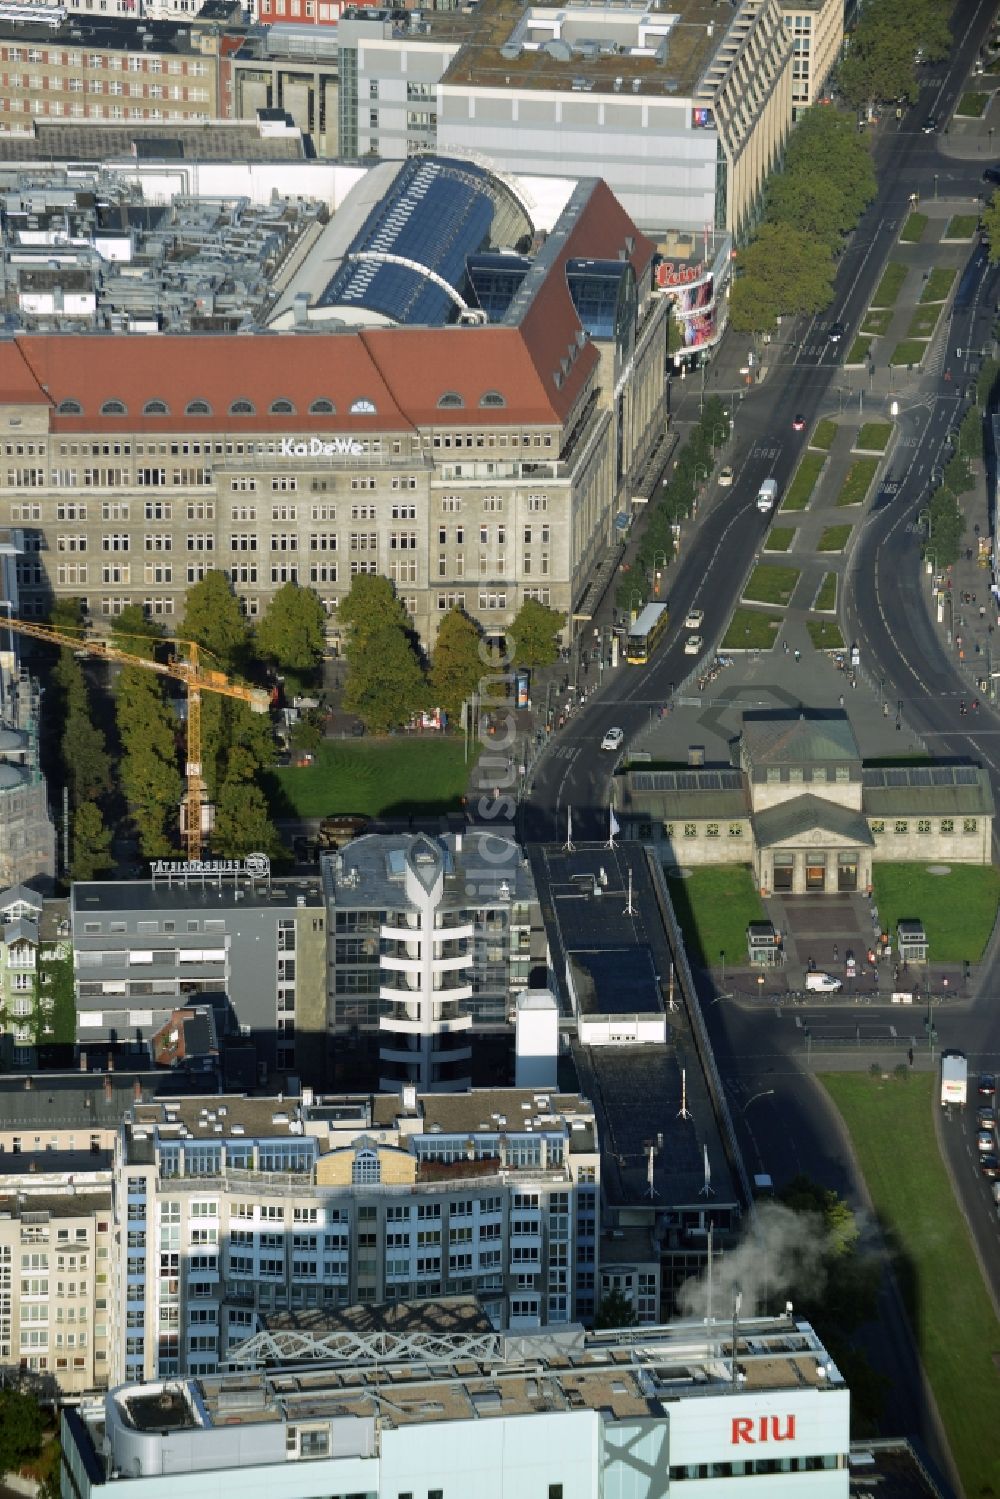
(388, 680)
(811, 204)
(880, 65)
(691, 469)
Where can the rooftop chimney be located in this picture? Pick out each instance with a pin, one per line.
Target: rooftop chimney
(137, 1091)
(108, 1093)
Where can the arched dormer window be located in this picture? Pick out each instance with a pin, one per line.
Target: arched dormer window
(322, 407)
(114, 408)
(282, 407)
(451, 398)
(197, 408)
(362, 407)
(156, 408)
(492, 398)
(69, 408)
(242, 408)
(366, 1170)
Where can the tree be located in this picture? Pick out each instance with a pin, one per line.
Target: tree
(150, 774)
(243, 823)
(91, 851)
(385, 683)
(532, 635)
(58, 994)
(212, 619)
(808, 202)
(991, 227)
(787, 271)
(615, 1310)
(133, 631)
(307, 733)
(292, 632)
(456, 666)
(21, 1428)
(825, 149)
(371, 604)
(970, 434)
(85, 760)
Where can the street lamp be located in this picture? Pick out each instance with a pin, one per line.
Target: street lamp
(722, 960)
(935, 184)
(634, 593)
(925, 519)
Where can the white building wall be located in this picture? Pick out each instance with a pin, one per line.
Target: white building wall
(496, 1458)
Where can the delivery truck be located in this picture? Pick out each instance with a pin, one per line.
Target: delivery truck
(954, 1078)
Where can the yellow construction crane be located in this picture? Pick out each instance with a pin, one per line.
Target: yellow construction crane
(187, 669)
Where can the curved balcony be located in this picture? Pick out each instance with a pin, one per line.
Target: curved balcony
(440, 1025)
(401, 933)
(450, 996)
(463, 933)
(401, 965)
(450, 965)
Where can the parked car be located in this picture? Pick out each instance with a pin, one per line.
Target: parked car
(822, 983)
(613, 739)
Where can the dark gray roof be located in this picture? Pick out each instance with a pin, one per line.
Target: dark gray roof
(791, 819)
(803, 740)
(685, 793)
(119, 897)
(445, 1315)
(222, 140)
(913, 790)
(616, 981)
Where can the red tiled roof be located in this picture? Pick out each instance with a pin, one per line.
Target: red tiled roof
(17, 383)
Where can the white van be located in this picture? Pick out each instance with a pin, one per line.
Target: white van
(766, 495)
(822, 983)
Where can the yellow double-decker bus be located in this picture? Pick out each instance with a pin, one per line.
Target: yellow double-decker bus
(645, 632)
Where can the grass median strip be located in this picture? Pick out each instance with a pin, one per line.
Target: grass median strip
(909, 351)
(834, 538)
(972, 105)
(779, 538)
(825, 634)
(877, 322)
(938, 284)
(826, 599)
(769, 583)
(857, 481)
(751, 630)
(923, 322)
(805, 481)
(961, 226)
(859, 350)
(403, 775)
(912, 231)
(890, 285)
(958, 909)
(714, 905)
(873, 437)
(823, 435)
(891, 1125)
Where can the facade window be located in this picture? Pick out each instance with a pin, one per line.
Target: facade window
(736, 830)
(877, 826)
(198, 408)
(901, 826)
(969, 825)
(114, 408)
(282, 407)
(712, 830)
(690, 830)
(322, 407)
(923, 824)
(241, 408)
(947, 825)
(366, 1169)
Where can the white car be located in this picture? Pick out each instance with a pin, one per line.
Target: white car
(693, 619)
(693, 645)
(725, 477)
(613, 739)
(822, 983)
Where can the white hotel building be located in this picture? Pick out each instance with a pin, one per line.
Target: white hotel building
(637, 1414)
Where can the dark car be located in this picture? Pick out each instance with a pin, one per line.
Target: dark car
(992, 174)
(986, 1118)
(987, 1085)
(930, 125)
(798, 422)
(835, 332)
(989, 1165)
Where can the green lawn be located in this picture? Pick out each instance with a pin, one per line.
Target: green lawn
(909, 351)
(924, 321)
(961, 226)
(890, 285)
(953, 1320)
(938, 284)
(751, 630)
(392, 777)
(825, 634)
(912, 231)
(957, 909)
(877, 322)
(972, 105)
(806, 476)
(859, 350)
(873, 437)
(714, 906)
(779, 538)
(834, 538)
(824, 433)
(826, 599)
(771, 584)
(858, 481)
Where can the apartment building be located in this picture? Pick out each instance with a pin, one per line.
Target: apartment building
(750, 1404)
(817, 31)
(217, 934)
(103, 68)
(235, 1208)
(31, 929)
(430, 940)
(473, 430)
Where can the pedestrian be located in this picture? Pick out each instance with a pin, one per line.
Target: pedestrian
(885, 710)
(836, 953)
(841, 699)
(798, 655)
(909, 1056)
(982, 611)
(812, 965)
(786, 647)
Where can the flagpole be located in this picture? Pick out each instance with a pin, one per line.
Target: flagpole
(569, 846)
